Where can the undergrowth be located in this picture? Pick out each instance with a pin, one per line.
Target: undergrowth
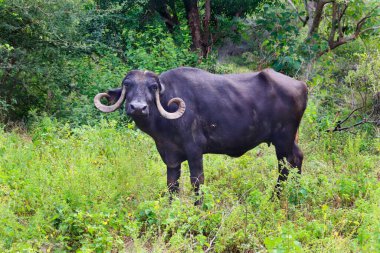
(102, 188)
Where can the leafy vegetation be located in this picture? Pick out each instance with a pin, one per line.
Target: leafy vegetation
(103, 188)
(75, 180)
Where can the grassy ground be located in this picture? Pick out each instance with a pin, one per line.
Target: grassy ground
(96, 189)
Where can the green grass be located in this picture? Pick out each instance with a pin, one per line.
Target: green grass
(102, 189)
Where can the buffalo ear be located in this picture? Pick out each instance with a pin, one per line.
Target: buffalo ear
(161, 85)
(114, 95)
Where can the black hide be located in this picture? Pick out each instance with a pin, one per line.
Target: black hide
(225, 114)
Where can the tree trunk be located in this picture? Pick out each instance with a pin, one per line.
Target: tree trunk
(206, 30)
(315, 11)
(192, 14)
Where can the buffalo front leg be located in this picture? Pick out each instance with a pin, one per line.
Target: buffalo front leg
(196, 175)
(173, 175)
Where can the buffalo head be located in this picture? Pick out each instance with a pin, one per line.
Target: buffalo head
(141, 90)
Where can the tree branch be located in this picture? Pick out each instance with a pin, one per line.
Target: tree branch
(341, 39)
(303, 20)
(349, 115)
(161, 7)
(370, 28)
(337, 129)
(317, 17)
(340, 29)
(339, 124)
(334, 23)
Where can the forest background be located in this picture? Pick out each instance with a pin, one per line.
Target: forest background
(74, 179)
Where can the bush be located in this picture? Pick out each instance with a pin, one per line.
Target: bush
(102, 188)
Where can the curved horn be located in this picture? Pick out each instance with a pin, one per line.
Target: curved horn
(171, 115)
(111, 108)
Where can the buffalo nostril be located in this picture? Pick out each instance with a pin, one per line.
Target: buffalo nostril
(138, 107)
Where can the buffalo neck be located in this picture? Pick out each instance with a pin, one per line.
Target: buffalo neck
(143, 122)
(154, 125)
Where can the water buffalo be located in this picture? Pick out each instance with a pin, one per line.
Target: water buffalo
(189, 112)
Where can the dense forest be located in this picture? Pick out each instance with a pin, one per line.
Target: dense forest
(73, 179)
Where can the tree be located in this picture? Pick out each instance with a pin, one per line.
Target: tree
(200, 36)
(203, 27)
(35, 39)
(204, 19)
(343, 20)
(168, 11)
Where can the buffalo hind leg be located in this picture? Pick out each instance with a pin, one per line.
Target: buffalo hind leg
(293, 156)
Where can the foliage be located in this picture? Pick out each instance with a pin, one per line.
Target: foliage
(366, 76)
(47, 67)
(156, 50)
(78, 180)
(232, 8)
(337, 22)
(103, 188)
(354, 84)
(281, 43)
(107, 24)
(36, 40)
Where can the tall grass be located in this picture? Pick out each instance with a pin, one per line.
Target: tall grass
(102, 189)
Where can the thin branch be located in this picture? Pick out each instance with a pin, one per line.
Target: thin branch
(349, 115)
(337, 129)
(370, 28)
(340, 122)
(303, 20)
(211, 242)
(367, 119)
(334, 23)
(340, 30)
(343, 11)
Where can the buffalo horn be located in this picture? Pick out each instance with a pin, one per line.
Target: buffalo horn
(111, 108)
(171, 115)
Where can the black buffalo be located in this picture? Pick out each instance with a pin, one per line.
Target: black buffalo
(209, 113)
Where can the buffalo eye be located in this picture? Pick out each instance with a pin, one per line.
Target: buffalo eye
(153, 87)
(127, 83)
